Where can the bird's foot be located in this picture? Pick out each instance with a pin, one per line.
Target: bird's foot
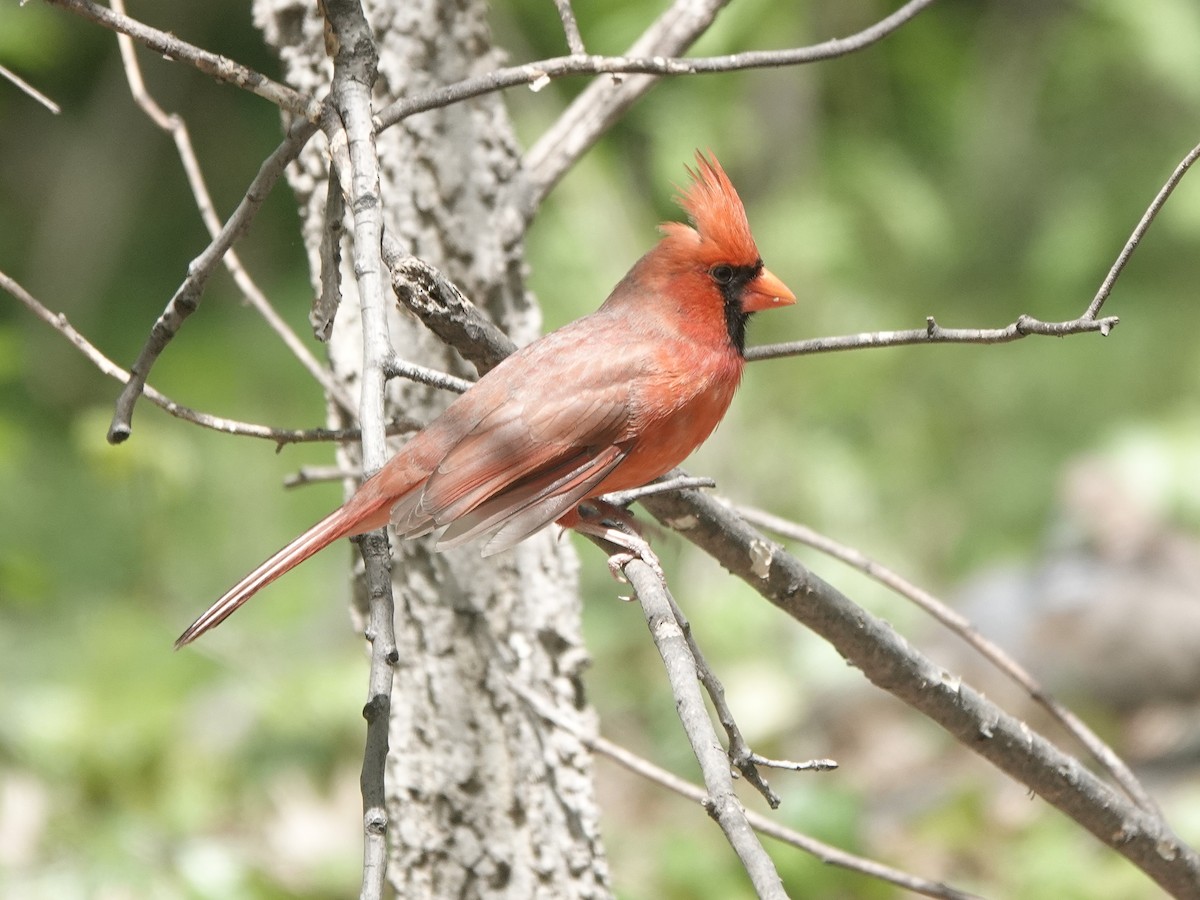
(617, 526)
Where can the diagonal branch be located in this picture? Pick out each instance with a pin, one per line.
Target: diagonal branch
(278, 436)
(214, 65)
(888, 661)
(175, 126)
(604, 101)
(721, 801)
(1136, 237)
(187, 297)
(960, 625)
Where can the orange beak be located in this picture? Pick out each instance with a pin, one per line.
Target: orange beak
(765, 292)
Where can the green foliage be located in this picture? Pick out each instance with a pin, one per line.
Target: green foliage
(988, 160)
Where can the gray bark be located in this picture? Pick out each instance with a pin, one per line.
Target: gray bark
(485, 799)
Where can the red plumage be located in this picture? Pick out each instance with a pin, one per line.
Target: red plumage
(609, 402)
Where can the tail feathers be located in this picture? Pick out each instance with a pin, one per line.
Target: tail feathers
(336, 525)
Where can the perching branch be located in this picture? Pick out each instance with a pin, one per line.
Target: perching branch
(889, 662)
(960, 625)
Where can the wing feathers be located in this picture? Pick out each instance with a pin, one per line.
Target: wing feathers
(519, 511)
(534, 459)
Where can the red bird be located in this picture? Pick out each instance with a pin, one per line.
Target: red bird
(607, 403)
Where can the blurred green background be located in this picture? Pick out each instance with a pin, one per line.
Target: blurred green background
(988, 160)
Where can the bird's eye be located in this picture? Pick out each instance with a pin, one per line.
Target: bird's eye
(721, 274)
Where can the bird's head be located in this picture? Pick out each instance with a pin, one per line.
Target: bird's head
(716, 253)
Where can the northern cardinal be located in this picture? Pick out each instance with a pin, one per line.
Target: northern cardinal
(607, 403)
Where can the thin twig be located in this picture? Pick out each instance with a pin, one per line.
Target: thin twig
(933, 333)
(278, 436)
(214, 65)
(570, 27)
(646, 769)
(962, 626)
(395, 367)
(663, 485)
(721, 802)
(1136, 237)
(739, 752)
(187, 297)
(307, 475)
(26, 88)
(546, 70)
(604, 101)
(175, 126)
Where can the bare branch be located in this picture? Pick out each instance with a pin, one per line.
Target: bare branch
(739, 752)
(356, 167)
(1139, 232)
(644, 768)
(26, 88)
(892, 664)
(543, 71)
(279, 436)
(187, 296)
(326, 303)
(624, 498)
(961, 626)
(570, 27)
(212, 64)
(933, 333)
(177, 128)
(394, 367)
(722, 802)
(603, 102)
(444, 309)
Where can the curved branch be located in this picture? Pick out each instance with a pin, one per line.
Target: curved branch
(543, 71)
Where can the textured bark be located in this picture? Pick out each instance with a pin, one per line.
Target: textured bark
(485, 799)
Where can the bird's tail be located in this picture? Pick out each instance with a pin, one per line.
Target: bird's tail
(338, 524)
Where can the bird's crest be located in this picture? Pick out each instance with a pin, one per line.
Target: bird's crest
(716, 211)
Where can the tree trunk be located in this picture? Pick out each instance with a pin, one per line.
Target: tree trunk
(486, 799)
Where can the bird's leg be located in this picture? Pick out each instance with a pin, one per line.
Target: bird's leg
(617, 526)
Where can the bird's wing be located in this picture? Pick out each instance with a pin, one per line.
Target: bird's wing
(532, 457)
